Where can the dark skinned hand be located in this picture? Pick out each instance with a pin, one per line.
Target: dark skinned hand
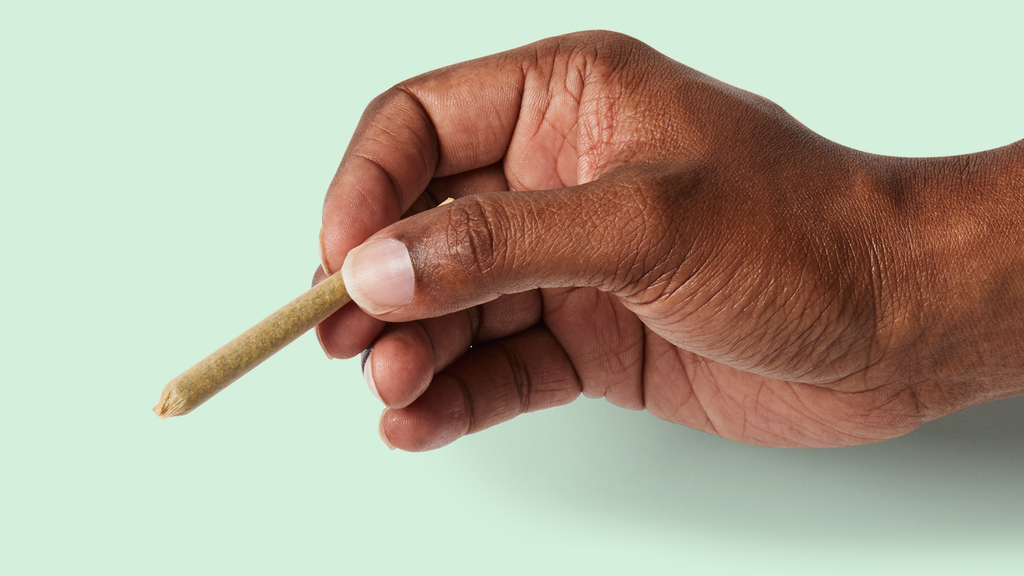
(626, 227)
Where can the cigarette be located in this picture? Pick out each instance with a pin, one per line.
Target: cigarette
(212, 374)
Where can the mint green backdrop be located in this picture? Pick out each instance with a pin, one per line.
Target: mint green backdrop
(162, 170)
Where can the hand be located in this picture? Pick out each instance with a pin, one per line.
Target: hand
(626, 227)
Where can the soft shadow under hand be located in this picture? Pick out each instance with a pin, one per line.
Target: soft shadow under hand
(953, 478)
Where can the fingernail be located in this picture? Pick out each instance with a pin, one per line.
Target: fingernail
(383, 434)
(320, 339)
(379, 275)
(323, 253)
(368, 376)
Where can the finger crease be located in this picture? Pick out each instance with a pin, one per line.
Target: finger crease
(475, 317)
(430, 340)
(434, 140)
(520, 377)
(395, 188)
(467, 402)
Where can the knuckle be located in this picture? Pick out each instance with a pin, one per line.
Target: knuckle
(476, 235)
(614, 54)
(398, 108)
(389, 98)
(603, 52)
(604, 42)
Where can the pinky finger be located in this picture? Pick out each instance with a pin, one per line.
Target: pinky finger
(491, 384)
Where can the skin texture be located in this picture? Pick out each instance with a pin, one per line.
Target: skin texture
(629, 228)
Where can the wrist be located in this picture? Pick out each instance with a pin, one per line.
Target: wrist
(962, 225)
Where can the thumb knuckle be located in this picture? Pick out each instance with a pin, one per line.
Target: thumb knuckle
(477, 235)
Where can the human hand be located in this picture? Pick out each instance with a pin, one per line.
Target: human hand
(626, 227)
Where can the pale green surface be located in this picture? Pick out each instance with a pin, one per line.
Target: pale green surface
(154, 160)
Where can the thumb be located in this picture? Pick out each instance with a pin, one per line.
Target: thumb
(606, 234)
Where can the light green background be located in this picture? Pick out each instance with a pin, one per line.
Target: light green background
(162, 170)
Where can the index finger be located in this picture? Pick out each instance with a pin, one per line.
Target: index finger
(444, 122)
